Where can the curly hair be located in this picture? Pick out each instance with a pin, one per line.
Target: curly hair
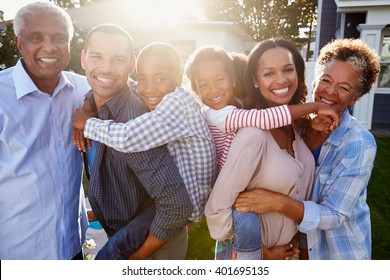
(240, 61)
(254, 98)
(355, 52)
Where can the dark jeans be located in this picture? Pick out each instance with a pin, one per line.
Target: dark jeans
(127, 240)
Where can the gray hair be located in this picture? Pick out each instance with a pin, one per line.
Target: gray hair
(355, 52)
(46, 7)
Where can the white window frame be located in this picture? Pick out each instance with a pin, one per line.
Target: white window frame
(385, 60)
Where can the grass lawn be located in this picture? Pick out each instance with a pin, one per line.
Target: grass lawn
(201, 245)
(379, 201)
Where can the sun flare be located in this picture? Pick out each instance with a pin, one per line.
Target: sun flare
(167, 12)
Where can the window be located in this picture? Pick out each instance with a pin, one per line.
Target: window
(384, 75)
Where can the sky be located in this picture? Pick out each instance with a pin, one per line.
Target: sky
(10, 7)
(175, 7)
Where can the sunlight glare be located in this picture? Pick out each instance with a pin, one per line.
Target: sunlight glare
(167, 12)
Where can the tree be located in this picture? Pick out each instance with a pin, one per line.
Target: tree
(264, 19)
(9, 53)
(72, 3)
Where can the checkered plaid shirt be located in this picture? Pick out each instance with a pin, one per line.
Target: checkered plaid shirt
(123, 184)
(337, 218)
(178, 122)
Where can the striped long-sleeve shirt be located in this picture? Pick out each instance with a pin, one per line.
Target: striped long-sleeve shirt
(225, 122)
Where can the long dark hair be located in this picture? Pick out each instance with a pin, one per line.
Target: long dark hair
(254, 99)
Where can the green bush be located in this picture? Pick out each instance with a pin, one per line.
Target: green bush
(9, 54)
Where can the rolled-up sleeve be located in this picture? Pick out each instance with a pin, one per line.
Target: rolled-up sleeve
(311, 217)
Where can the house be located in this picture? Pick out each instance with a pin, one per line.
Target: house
(185, 35)
(370, 21)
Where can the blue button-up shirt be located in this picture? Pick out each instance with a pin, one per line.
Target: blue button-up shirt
(42, 212)
(337, 220)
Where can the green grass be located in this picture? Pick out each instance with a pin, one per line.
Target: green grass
(200, 244)
(379, 201)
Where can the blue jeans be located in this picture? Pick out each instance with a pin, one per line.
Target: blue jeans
(246, 244)
(127, 240)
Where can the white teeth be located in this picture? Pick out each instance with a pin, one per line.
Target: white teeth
(48, 60)
(104, 80)
(153, 99)
(326, 101)
(217, 98)
(280, 91)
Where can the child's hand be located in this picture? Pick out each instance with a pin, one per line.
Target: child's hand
(80, 141)
(87, 108)
(80, 119)
(322, 123)
(326, 120)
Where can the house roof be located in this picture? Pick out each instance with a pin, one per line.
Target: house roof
(361, 3)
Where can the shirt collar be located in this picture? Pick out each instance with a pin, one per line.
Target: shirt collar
(115, 104)
(336, 137)
(26, 85)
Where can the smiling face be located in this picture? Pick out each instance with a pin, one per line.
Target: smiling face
(44, 45)
(337, 85)
(156, 78)
(276, 79)
(107, 62)
(213, 83)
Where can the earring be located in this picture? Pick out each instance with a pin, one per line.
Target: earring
(255, 85)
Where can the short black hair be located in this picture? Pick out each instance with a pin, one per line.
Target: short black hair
(161, 49)
(113, 29)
